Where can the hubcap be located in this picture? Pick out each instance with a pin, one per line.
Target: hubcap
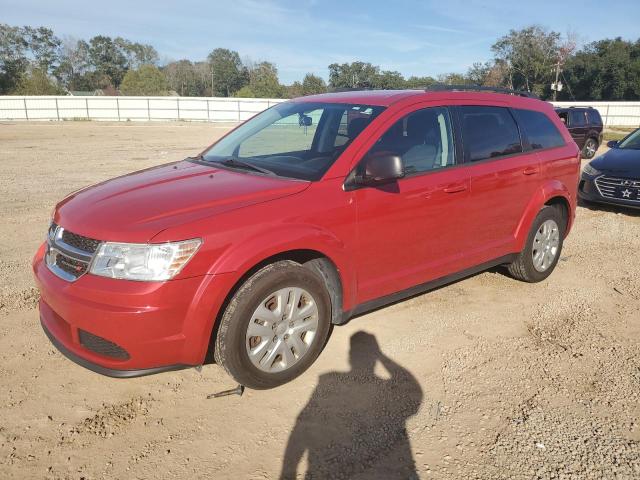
(545, 245)
(591, 148)
(282, 329)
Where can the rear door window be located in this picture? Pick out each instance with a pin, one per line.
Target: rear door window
(577, 119)
(540, 131)
(488, 132)
(423, 139)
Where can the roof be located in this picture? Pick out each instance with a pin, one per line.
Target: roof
(363, 97)
(386, 98)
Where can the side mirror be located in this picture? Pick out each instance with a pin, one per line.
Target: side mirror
(305, 121)
(612, 144)
(379, 168)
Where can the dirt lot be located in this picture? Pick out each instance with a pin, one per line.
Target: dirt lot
(494, 378)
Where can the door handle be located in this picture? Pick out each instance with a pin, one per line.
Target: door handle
(455, 188)
(531, 170)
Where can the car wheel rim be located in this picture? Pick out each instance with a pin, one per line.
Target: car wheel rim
(545, 245)
(591, 148)
(282, 329)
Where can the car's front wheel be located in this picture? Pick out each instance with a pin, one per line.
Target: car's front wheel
(274, 326)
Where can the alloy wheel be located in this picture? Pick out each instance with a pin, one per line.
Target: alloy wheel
(282, 329)
(545, 245)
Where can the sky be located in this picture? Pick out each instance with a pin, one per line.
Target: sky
(413, 37)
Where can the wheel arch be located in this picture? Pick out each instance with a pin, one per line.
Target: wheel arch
(561, 203)
(315, 260)
(552, 193)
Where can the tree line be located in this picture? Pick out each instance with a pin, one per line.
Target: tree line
(34, 61)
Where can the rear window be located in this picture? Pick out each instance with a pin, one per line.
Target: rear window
(488, 132)
(594, 117)
(540, 131)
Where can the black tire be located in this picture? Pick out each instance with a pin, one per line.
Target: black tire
(230, 344)
(523, 267)
(590, 148)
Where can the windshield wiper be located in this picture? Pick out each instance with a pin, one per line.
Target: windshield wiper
(237, 163)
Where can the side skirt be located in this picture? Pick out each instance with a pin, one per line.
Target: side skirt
(422, 288)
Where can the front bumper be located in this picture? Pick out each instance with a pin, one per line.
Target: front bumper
(134, 328)
(588, 191)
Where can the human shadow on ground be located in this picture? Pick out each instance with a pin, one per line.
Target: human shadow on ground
(354, 425)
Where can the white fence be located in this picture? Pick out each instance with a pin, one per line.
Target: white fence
(132, 108)
(207, 109)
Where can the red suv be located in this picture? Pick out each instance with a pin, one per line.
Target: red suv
(312, 212)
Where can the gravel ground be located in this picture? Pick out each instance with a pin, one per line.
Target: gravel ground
(486, 378)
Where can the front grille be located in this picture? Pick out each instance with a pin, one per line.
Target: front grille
(608, 186)
(78, 241)
(71, 265)
(101, 346)
(69, 254)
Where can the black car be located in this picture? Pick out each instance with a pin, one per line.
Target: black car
(585, 126)
(614, 177)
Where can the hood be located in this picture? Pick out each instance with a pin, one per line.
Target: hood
(619, 161)
(138, 206)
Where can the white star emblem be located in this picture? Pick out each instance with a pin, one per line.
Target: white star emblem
(626, 193)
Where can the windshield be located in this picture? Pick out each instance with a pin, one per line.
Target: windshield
(632, 142)
(293, 139)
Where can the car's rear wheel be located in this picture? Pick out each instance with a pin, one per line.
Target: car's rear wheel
(544, 245)
(590, 148)
(274, 326)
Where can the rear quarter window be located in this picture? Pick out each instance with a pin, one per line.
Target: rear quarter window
(594, 117)
(488, 132)
(540, 131)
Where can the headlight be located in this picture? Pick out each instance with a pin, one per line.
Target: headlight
(589, 170)
(148, 262)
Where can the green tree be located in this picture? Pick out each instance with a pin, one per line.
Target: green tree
(419, 82)
(478, 73)
(263, 81)
(74, 64)
(137, 54)
(294, 90)
(353, 75)
(13, 58)
(452, 79)
(246, 92)
(529, 55)
(186, 78)
(312, 85)
(389, 80)
(44, 46)
(24, 47)
(604, 70)
(228, 75)
(106, 57)
(146, 80)
(37, 82)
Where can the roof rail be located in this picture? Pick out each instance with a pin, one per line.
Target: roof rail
(441, 87)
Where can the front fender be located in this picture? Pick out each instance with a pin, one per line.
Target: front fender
(242, 256)
(547, 191)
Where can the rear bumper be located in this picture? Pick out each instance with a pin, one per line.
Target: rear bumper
(126, 329)
(588, 191)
